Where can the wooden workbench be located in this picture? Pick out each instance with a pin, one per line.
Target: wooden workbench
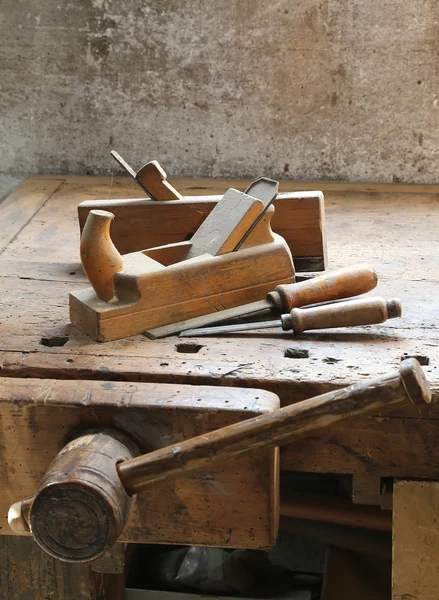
(392, 227)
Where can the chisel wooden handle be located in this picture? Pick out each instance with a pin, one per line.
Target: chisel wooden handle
(343, 283)
(277, 427)
(362, 311)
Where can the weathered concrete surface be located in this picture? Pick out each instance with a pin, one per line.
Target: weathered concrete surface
(345, 89)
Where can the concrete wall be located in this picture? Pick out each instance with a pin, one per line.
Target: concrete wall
(345, 89)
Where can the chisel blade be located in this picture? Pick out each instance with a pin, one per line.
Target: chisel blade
(206, 331)
(211, 318)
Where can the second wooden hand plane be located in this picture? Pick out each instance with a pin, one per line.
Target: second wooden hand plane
(233, 258)
(350, 313)
(169, 216)
(344, 283)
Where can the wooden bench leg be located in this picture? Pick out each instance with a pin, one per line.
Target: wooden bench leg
(107, 574)
(415, 540)
(28, 573)
(353, 576)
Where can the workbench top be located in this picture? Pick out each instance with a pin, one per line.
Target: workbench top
(392, 227)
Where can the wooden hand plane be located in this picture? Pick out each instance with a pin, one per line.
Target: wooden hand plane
(233, 258)
(167, 216)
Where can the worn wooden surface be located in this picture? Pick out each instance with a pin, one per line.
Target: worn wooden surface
(415, 540)
(394, 228)
(20, 206)
(28, 573)
(231, 504)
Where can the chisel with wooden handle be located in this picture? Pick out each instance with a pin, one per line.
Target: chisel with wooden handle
(349, 313)
(344, 283)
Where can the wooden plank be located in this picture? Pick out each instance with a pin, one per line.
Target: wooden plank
(20, 206)
(331, 509)
(233, 504)
(370, 448)
(186, 185)
(28, 573)
(415, 540)
(366, 542)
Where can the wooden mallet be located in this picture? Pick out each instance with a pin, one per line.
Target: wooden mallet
(85, 499)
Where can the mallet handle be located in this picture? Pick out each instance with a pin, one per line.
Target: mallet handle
(277, 427)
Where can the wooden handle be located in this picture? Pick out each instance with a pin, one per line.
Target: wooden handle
(343, 283)
(351, 313)
(152, 177)
(276, 428)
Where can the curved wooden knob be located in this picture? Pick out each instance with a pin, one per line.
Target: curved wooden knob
(99, 256)
(81, 507)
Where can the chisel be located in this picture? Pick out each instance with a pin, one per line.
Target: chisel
(349, 313)
(344, 283)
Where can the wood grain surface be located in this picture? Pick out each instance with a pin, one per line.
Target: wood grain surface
(393, 228)
(415, 540)
(28, 573)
